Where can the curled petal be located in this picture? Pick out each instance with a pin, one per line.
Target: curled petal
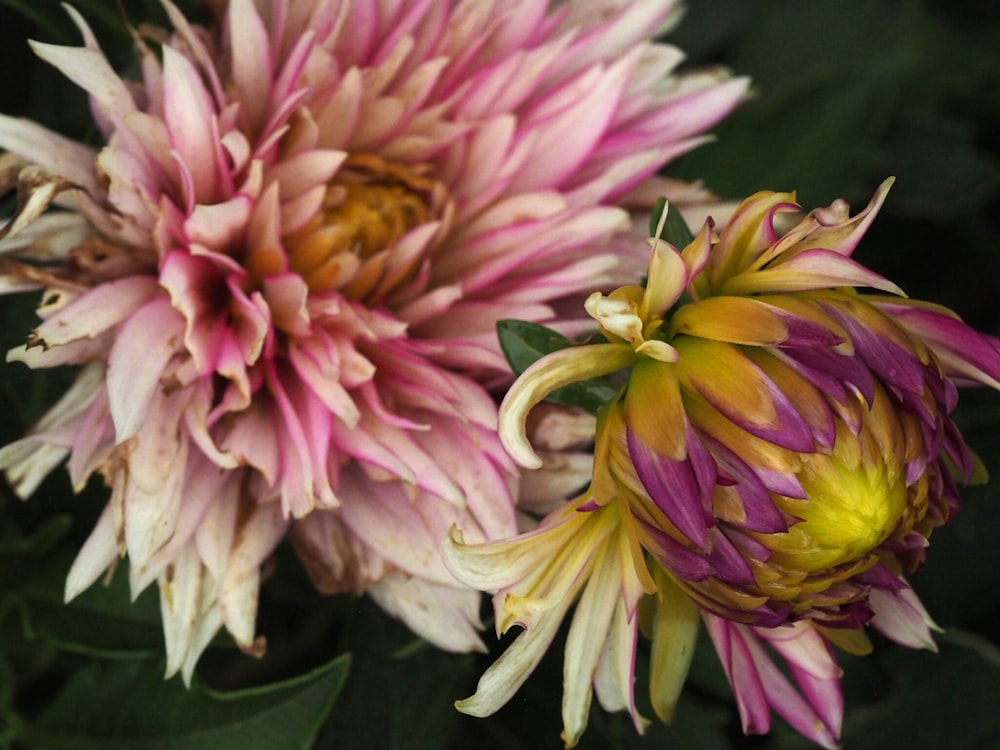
(748, 234)
(506, 675)
(833, 227)
(553, 371)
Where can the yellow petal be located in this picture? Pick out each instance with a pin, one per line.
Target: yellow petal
(654, 410)
(675, 628)
(739, 320)
(852, 641)
(666, 281)
(747, 234)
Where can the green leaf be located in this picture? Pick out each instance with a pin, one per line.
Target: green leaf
(129, 706)
(524, 343)
(7, 681)
(101, 622)
(398, 695)
(675, 230)
(39, 543)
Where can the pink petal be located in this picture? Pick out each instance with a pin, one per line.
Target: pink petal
(188, 109)
(145, 344)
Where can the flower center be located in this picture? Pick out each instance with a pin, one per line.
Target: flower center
(855, 503)
(351, 244)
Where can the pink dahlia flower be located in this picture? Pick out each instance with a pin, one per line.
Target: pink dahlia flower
(281, 274)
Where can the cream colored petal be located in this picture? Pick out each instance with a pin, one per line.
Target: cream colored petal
(658, 350)
(506, 675)
(496, 565)
(553, 371)
(180, 595)
(585, 642)
(446, 616)
(98, 553)
(667, 277)
(614, 682)
(616, 316)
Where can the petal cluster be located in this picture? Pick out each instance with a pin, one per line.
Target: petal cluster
(783, 448)
(282, 271)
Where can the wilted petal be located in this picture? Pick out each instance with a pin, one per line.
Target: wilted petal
(446, 616)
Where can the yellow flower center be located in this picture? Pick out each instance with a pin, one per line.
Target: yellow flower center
(856, 500)
(370, 205)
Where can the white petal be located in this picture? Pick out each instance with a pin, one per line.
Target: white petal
(89, 69)
(98, 553)
(446, 616)
(180, 595)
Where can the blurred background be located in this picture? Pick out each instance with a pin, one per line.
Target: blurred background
(845, 94)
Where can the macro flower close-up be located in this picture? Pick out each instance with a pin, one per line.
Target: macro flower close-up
(280, 269)
(773, 468)
(448, 374)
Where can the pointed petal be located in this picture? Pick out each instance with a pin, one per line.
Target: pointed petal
(816, 268)
(144, 345)
(98, 553)
(745, 320)
(589, 627)
(90, 70)
(901, 616)
(505, 676)
(675, 629)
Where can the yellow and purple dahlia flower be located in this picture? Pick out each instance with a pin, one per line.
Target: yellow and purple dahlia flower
(773, 467)
(280, 271)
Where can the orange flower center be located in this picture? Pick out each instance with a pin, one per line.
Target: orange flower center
(351, 243)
